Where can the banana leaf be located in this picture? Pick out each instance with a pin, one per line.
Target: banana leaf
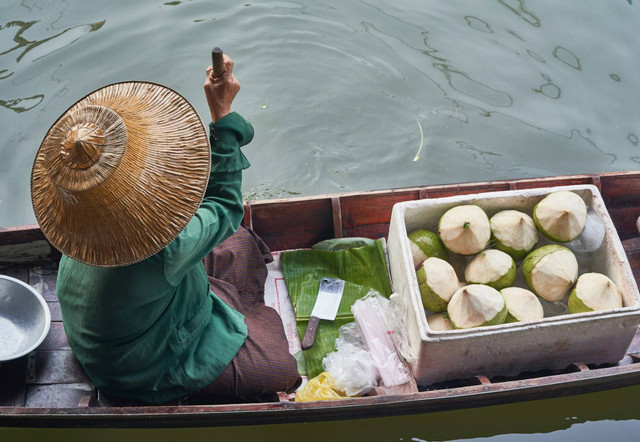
(362, 268)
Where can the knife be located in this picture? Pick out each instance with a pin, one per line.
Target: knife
(326, 307)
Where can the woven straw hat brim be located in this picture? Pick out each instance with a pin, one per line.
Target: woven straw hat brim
(120, 174)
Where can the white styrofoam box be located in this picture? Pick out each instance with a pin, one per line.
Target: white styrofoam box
(509, 349)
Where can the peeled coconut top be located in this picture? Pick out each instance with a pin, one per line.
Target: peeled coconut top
(554, 274)
(522, 304)
(488, 266)
(514, 229)
(441, 277)
(439, 322)
(598, 292)
(465, 229)
(561, 216)
(474, 305)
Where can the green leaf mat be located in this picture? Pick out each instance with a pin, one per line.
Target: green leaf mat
(362, 268)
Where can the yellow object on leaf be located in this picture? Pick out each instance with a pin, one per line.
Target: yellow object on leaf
(319, 388)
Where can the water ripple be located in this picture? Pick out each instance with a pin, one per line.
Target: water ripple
(567, 57)
(478, 24)
(49, 44)
(519, 8)
(535, 56)
(334, 88)
(484, 156)
(22, 104)
(548, 89)
(464, 84)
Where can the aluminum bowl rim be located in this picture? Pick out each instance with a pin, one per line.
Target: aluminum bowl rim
(47, 319)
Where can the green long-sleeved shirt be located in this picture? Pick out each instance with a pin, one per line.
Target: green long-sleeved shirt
(154, 330)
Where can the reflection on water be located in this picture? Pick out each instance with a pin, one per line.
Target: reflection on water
(500, 89)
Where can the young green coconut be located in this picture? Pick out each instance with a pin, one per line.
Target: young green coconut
(550, 271)
(522, 305)
(514, 232)
(594, 291)
(493, 268)
(439, 322)
(437, 281)
(425, 244)
(476, 305)
(465, 230)
(561, 216)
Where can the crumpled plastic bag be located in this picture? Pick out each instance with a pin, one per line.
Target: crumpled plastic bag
(366, 351)
(353, 369)
(349, 334)
(394, 315)
(319, 388)
(591, 237)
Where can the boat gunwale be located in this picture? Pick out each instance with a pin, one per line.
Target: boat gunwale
(179, 416)
(32, 232)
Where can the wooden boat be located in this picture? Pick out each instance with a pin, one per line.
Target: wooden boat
(47, 388)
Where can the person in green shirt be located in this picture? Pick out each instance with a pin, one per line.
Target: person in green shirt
(189, 320)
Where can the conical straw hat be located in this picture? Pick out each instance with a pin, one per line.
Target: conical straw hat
(120, 174)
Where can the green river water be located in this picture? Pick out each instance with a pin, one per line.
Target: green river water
(352, 95)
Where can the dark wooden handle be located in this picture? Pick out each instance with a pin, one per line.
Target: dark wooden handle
(310, 333)
(216, 62)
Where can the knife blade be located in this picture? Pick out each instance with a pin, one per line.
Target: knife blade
(326, 307)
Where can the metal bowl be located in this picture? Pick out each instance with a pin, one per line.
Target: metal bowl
(24, 318)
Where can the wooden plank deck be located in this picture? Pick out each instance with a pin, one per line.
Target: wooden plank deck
(51, 375)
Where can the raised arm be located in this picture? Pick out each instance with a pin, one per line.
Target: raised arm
(221, 210)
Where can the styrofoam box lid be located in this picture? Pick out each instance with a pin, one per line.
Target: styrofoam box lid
(609, 259)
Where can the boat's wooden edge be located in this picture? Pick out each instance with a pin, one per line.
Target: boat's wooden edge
(368, 213)
(21, 234)
(506, 184)
(579, 382)
(24, 244)
(617, 183)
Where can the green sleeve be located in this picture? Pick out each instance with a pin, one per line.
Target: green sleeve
(221, 210)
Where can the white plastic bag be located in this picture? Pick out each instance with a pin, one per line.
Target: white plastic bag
(591, 237)
(369, 313)
(366, 350)
(352, 368)
(394, 314)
